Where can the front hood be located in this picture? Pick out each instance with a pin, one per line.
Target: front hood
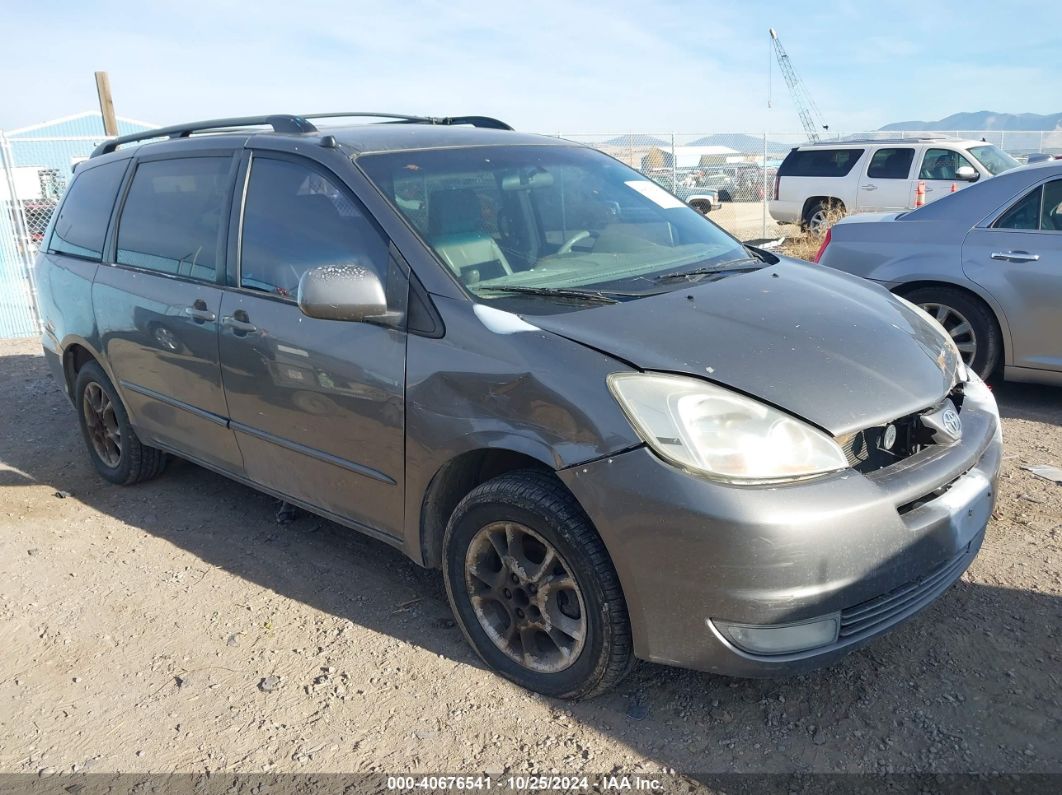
(825, 346)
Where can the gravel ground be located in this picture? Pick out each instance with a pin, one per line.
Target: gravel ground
(175, 626)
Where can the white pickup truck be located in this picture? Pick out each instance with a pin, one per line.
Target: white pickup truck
(878, 174)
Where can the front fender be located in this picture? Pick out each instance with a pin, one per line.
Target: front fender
(503, 384)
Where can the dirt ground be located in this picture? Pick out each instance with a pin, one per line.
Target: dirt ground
(175, 626)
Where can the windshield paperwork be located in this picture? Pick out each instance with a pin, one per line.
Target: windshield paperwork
(993, 158)
(551, 222)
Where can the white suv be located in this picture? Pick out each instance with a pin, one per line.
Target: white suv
(877, 175)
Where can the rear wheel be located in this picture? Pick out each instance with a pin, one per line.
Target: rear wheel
(533, 588)
(701, 206)
(817, 215)
(968, 321)
(113, 446)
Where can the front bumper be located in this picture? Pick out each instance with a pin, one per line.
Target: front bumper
(875, 548)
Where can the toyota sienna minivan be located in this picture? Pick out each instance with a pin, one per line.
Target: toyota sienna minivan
(619, 432)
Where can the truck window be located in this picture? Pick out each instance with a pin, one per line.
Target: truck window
(891, 163)
(819, 162)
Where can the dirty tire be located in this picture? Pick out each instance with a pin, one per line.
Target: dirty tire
(539, 502)
(989, 341)
(815, 216)
(136, 461)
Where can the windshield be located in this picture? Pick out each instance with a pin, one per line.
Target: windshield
(548, 220)
(993, 158)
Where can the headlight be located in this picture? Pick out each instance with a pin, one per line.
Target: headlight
(949, 342)
(726, 436)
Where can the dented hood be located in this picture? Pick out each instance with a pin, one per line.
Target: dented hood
(835, 350)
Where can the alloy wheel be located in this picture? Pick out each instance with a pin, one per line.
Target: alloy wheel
(956, 324)
(102, 424)
(525, 597)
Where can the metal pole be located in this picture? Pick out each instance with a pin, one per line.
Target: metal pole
(674, 166)
(763, 231)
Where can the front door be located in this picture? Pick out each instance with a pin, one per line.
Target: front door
(157, 305)
(317, 405)
(886, 185)
(1018, 260)
(939, 172)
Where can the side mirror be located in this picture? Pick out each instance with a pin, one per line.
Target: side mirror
(342, 292)
(967, 174)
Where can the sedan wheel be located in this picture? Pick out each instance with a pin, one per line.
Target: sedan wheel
(956, 324)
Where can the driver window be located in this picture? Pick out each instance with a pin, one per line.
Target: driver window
(296, 218)
(941, 164)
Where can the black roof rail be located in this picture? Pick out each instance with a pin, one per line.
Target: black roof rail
(285, 123)
(400, 118)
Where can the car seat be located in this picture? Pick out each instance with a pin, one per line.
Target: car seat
(455, 231)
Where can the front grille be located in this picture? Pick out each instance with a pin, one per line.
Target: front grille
(865, 451)
(887, 608)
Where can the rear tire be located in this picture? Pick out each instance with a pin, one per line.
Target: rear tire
(533, 589)
(970, 323)
(113, 446)
(816, 216)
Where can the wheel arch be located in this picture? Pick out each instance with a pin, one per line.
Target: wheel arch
(976, 294)
(811, 201)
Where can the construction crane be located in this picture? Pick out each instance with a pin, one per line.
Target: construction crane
(810, 116)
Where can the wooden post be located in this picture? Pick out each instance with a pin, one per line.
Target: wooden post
(103, 88)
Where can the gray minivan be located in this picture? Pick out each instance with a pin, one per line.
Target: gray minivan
(618, 431)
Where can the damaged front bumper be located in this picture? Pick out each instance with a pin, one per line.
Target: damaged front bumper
(709, 569)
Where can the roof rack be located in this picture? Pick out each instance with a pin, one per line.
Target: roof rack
(398, 118)
(286, 123)
(910, 139)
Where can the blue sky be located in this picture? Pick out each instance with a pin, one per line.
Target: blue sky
(577, 66)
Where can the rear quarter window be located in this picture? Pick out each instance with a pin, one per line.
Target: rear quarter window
(819, 162)
(81, 226)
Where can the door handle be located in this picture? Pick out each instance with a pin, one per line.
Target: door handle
(239, 324)
(200, 315)
(1016, 256)
(870, 187)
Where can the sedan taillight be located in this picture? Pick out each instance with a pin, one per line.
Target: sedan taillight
(777, 181)
(822, 248)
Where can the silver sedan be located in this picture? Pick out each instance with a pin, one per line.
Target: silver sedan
(986, 262)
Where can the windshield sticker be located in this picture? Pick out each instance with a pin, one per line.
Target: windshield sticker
(655, 193)
(501, 322)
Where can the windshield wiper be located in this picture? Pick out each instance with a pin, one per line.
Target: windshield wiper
(555, 292)
(720, 267)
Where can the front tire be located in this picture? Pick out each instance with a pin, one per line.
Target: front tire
(113, 446)
(533, 589)
(970, 323)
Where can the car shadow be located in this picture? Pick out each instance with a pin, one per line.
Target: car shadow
(971, 684)
(1038, 402)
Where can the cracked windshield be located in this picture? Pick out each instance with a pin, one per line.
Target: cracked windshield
(560, 222)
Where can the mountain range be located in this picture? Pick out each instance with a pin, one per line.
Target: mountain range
(984, 120)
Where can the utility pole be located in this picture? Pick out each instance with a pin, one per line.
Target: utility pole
(103, 89)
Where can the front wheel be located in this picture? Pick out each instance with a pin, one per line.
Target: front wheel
(534, 590)
(968, 321)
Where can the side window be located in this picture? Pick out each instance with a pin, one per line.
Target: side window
(1023, 215)
(941, 164)
(1051, 214)
(819, 162)
(297, 218)
(81, 227)
(172, 218)
(893, 163)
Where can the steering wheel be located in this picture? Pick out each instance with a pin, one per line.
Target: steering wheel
(567, 247)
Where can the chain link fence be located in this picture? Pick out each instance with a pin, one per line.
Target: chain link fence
(36, 165)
